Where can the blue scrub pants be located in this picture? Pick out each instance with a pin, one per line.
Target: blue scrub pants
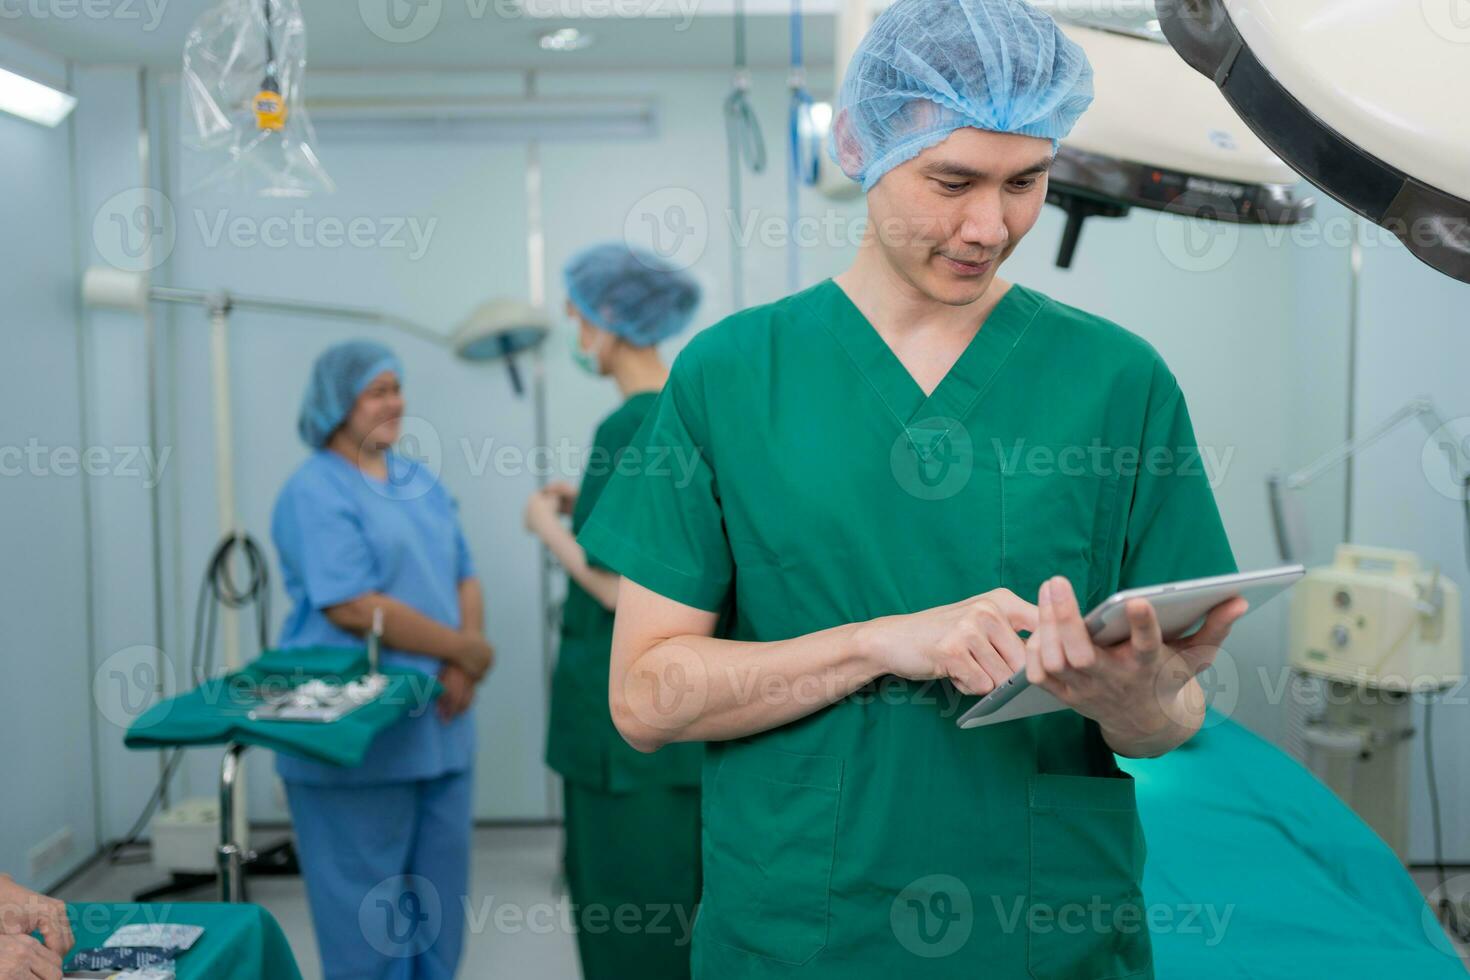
(387, 875)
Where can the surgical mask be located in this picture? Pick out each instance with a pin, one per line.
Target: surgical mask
(586, 360)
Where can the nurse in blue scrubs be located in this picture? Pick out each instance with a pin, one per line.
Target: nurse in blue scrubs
(384, 847)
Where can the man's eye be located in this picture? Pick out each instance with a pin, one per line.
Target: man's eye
(1024, 184)
(952, 187)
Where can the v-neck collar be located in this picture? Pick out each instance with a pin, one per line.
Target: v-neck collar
(968, 378)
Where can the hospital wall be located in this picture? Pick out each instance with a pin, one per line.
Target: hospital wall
(46, 752)
(1253, 326)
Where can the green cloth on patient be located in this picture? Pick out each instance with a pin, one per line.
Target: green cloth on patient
(240, 942)
(217, 711)
(1257, 870)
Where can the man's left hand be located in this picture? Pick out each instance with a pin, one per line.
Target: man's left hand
(1141, 692)
(23, 911)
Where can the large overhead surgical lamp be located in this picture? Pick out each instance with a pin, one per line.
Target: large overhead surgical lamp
(1363, 99)
(1158, 136)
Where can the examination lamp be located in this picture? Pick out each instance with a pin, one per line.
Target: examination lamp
(1158, 136)
(1365, 100)
(500, 328)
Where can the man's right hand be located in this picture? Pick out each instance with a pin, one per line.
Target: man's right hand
(22, 958)
(973, 642)
(476, 656)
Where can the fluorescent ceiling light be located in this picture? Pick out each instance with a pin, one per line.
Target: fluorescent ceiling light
(31, 100)
(565, 39)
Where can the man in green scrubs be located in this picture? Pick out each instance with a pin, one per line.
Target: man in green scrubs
(910, 481)
(632, 820)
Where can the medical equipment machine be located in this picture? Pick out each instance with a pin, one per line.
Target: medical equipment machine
(1367, 632)
(1370, 634)
(1362, 99)
(1158, 136)
(1180, 607)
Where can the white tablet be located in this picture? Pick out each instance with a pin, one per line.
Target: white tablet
(1181, 608)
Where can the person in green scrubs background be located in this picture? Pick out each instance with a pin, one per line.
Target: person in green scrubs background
(910, 481)
(632, 820)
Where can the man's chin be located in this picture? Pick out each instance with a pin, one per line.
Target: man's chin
(954, 290)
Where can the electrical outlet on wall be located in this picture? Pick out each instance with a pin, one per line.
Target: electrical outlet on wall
(51, 852)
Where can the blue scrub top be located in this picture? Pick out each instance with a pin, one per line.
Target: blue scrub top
(342, 533)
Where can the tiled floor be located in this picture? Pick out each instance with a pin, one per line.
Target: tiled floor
(514, 867)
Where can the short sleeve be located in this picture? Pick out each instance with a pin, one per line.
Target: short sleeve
(464, 561)
(1174, 529)
(322, 542)
(612, 442)
(658, 521)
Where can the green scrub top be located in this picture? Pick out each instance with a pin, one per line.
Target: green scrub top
(874, 838)
(582, 744)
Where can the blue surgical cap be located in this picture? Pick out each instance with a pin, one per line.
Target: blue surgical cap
(929, 67)
(339, 375)
(631, 293)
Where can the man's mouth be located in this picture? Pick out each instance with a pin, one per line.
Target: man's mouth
(970, 268)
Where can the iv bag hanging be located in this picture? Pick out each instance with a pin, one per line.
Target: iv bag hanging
(243, 111)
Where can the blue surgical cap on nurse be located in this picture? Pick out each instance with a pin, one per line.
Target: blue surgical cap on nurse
(929, 67)
(339, 375)
(631, 293)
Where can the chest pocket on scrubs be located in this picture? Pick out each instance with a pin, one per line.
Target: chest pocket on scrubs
(1086, 920)
(772, 898)
(1058, 520)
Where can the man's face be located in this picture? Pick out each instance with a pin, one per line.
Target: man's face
(948, 218)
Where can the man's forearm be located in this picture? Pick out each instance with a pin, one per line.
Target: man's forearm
(702, 689)
(601, 585)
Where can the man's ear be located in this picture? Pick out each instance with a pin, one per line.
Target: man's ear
(849, 150)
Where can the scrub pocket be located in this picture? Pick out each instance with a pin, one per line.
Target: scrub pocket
(767, 893)
(1056, 521)
(1086, 919)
